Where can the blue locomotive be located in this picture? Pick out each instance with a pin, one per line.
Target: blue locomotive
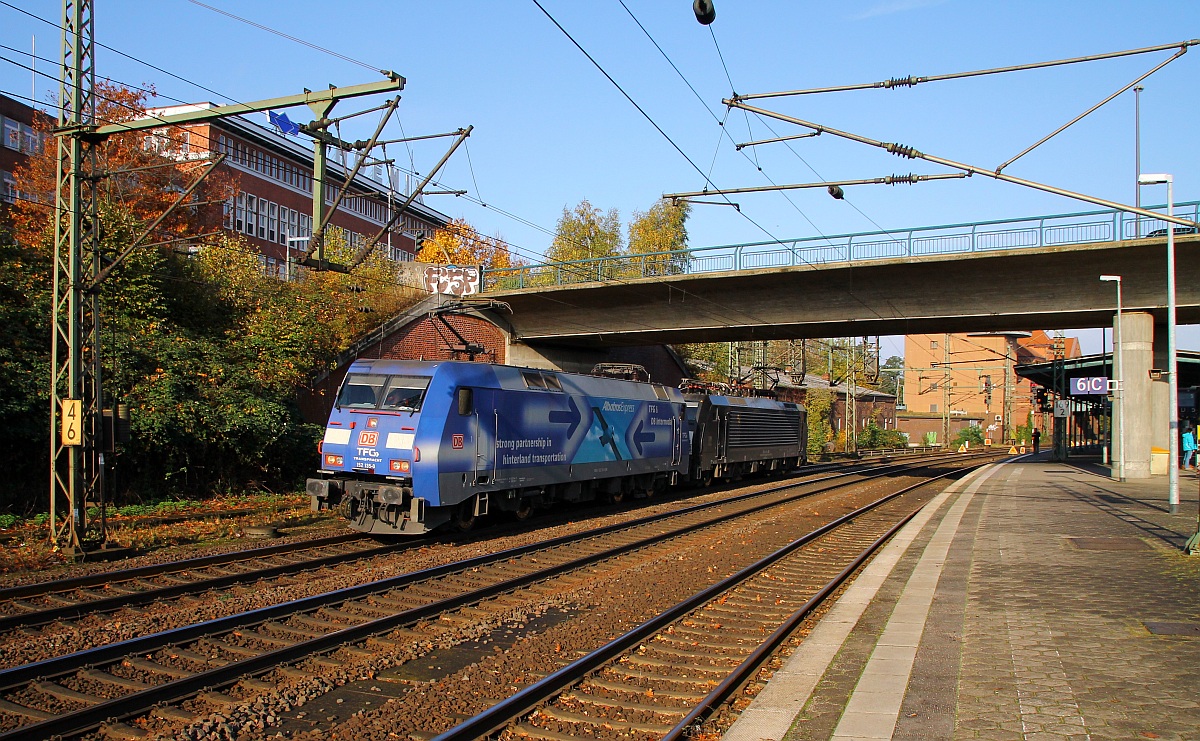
(411, 446)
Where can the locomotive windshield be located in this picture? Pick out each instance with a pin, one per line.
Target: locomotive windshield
(394, 393)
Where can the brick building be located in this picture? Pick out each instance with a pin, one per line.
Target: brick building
(18, 140)
(963, 379)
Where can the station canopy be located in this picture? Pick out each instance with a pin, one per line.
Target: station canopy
(1093, 366)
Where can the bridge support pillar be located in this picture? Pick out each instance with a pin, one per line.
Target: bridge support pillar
(1137, 412)
(1161, 399)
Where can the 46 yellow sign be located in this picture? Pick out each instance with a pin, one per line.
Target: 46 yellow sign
(72, 423)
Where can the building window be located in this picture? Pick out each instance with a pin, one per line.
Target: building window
(227, 214)
(251, 214)
(933, 344)
(12, 134)
(8, 187)
(262, 219)
(272, 222)
(933, 407)
(239, 213)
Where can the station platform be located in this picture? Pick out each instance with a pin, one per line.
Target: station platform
(1030, 600)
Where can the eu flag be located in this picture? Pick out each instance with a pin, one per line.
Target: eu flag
(283, 123)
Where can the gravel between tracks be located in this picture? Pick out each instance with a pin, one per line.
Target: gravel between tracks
(597, 605)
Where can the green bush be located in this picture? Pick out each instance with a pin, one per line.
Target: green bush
(874, 437)
(972, 434)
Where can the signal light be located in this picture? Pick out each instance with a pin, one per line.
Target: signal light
(400, 466)
(333, 460)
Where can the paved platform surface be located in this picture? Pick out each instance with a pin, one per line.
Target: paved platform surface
(1031, 600)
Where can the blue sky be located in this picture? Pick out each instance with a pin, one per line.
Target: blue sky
(551, 129)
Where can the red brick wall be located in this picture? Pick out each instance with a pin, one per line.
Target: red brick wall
(429, 339)
(424, 339)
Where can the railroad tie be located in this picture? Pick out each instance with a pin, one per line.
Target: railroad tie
(57, 691)
(257, 685)
(122, 731)
(607, 702)
(154, 667)
(240, 650)
(189, 655)
(541, 734)
(172, 714)
(353, 618)
(634, 689)
(11, 708)
(566, 716)
(97, 675)
(294, 630)
(219, 700)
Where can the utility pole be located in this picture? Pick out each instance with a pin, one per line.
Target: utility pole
(1010, 382)
(75, 473)
(946, 390)
(1059, 345)
(851, 398)
(76, 392)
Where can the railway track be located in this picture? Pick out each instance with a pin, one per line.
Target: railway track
(663, 677)
(29, 606)
(32, 605)
(217, 665)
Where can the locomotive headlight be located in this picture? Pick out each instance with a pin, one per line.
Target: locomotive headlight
(333, 460)
(400, 466)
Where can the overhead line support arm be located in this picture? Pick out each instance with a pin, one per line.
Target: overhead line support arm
(913, 153)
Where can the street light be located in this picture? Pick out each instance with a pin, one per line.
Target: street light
(1119, 341)
(1172, 361)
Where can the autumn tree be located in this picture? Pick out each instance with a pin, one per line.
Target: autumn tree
(585, 232)
(138, 173)
(659, 234)
(458, 243)
(207, 350)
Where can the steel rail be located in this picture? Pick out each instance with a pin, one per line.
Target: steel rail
(38, 589)
(529, 698)
(141, 701)
(133, 599)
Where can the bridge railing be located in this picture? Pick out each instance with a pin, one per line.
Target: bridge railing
(985, 236)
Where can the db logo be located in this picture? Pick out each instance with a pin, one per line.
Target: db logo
(456, 442)
(368, 438)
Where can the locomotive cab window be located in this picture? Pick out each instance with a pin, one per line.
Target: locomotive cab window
(661, 392)
(405, 393)
(552, 382)
(466, 402)
(361, 391)
(533, 379)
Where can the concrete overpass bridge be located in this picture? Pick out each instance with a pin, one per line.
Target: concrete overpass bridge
(1019, 274)
(1036, 272)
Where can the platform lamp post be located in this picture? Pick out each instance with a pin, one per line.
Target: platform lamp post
(1172, 360)
(1119, 342)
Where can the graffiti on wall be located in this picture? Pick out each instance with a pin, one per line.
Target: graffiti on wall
(452, 280)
